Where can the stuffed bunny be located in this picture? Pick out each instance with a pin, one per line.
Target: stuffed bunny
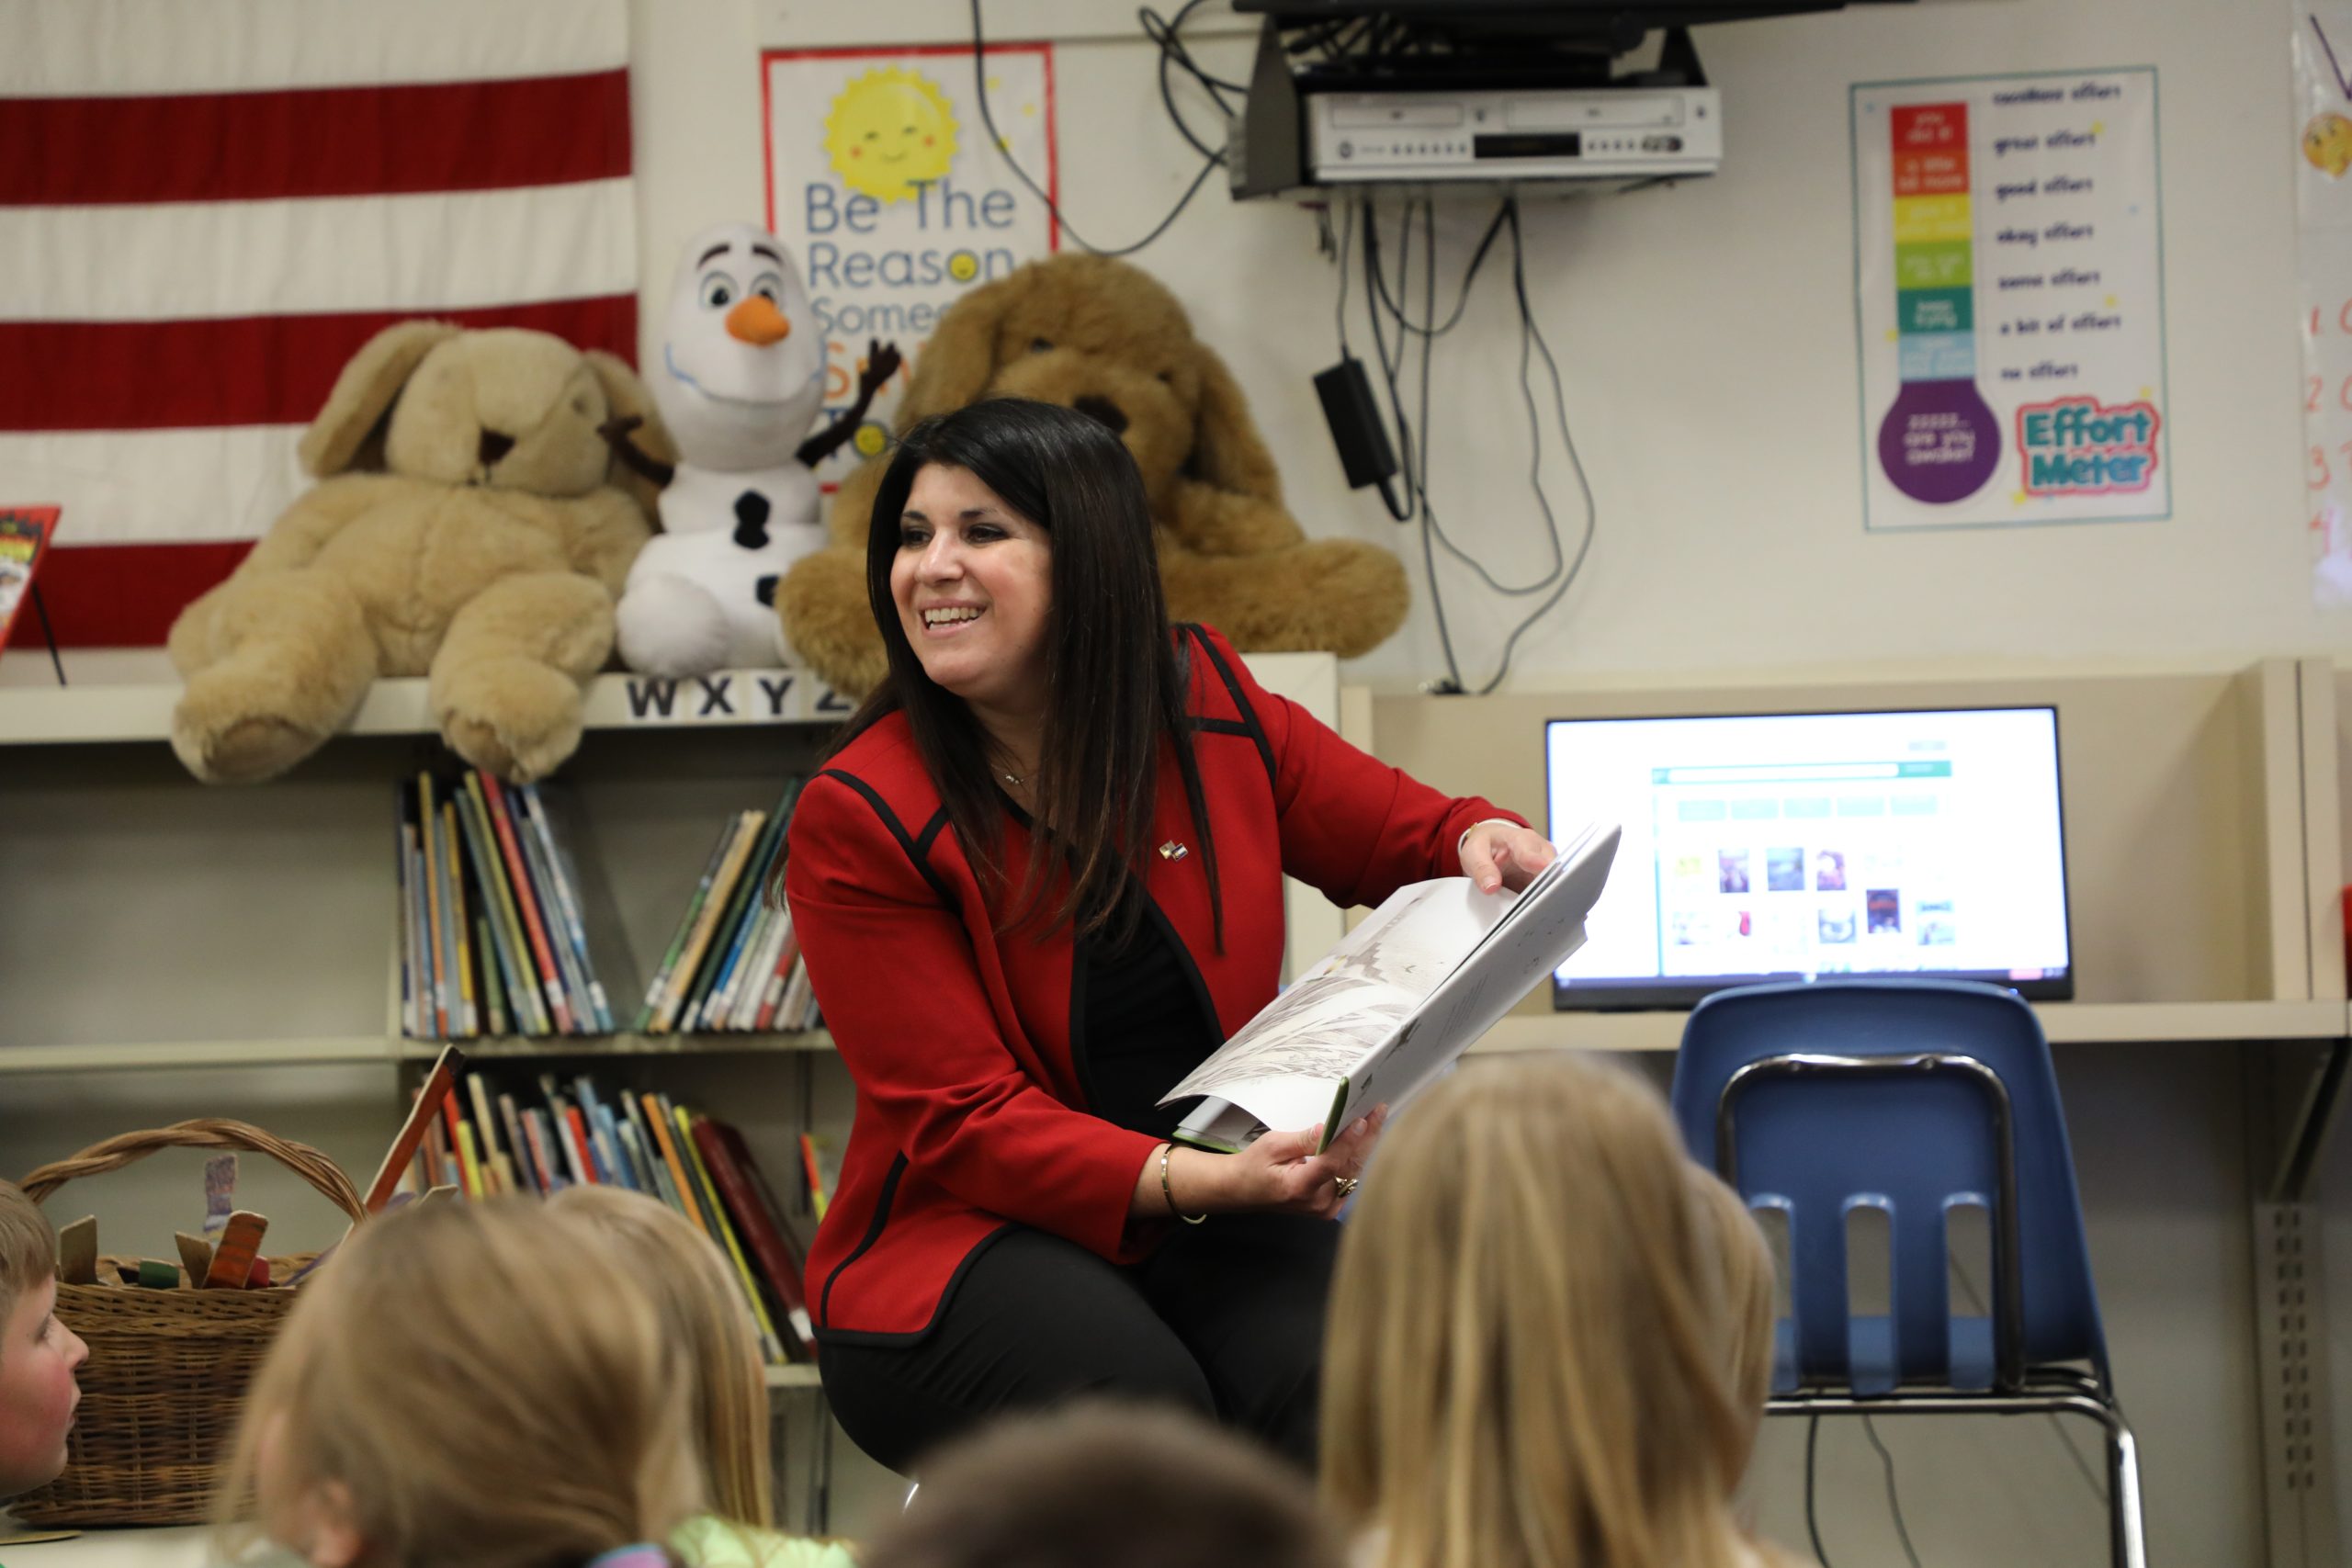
(466, 526)
(1105, 338)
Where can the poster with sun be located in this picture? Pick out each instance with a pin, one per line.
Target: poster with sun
(882, 180)
(2322, 132)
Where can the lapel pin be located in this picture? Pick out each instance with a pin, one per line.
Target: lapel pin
(1171, 850)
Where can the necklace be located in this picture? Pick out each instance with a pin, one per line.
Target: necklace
(1015, 780)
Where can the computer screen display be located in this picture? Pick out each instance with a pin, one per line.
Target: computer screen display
(1789, 846)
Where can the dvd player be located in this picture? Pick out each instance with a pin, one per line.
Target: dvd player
(1609, 133)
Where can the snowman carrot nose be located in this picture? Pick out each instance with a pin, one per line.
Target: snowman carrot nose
(757, 320)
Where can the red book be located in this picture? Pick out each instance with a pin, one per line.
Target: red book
(723, 1151)
(575, 1127)
(527, 898)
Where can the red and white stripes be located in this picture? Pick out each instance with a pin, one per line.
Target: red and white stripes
(207, 206)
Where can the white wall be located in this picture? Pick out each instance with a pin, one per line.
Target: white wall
(1707, 337)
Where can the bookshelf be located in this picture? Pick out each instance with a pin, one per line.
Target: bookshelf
(169, 949)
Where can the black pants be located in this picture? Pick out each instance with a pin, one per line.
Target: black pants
(1225, 1318)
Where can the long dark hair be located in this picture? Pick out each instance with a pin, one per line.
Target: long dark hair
(1114, 686)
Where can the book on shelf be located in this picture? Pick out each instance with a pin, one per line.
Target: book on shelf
(761, 1224)
(484, 1136)
(495, 922)
(1395, 1002)
(731, 962)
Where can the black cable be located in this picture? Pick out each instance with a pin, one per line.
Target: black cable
(1576, 462)
(1469, 274)
(48, 632)
(1894, 1503)
(1812, 1518)
(1347, 237)
(1003, 151)
(1428, 513)
(1162, 32)
(1388, 370)
(1172, 52)
(1417, 503)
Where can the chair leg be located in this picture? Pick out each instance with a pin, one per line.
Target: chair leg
(2127, 1522)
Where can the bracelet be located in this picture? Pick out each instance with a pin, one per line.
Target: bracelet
(1169, 1193)
(1463, 842)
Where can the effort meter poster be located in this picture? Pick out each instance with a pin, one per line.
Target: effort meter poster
(2008, 274)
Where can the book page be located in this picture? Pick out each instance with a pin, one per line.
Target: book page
(1352, 1001)
(1544, 926)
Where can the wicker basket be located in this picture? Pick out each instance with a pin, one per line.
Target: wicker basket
(168, 1370)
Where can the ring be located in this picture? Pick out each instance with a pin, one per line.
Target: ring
(1346, 1184)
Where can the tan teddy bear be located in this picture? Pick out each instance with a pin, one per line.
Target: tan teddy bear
(466, 526)
(1099, 336)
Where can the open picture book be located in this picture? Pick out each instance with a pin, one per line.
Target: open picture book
(1408, 991)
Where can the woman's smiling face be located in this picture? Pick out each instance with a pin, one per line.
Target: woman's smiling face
(973, 584)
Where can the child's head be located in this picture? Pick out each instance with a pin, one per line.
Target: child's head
(466, 1386)
(38, 1354)
(1099, 1483)
(1738, 1248)
(1527, 1353)
(701, 1299)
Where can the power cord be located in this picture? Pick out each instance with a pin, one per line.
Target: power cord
(1811, 1472)
(1382, 305)
(1209, 161)
(1894, 1503)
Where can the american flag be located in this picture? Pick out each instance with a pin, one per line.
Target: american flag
(207, 206)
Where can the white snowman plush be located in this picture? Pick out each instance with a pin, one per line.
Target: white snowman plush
(740, 377)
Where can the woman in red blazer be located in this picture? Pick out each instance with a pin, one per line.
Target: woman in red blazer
(1039, 880)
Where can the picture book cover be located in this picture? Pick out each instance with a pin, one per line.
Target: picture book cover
(23, 536)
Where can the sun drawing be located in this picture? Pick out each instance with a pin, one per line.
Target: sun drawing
(889, 131)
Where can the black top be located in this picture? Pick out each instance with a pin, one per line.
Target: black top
(1138, 1026)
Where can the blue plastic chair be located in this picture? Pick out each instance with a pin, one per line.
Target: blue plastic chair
(1914, 1097)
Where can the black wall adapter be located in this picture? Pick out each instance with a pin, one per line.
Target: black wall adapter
(1354, 419)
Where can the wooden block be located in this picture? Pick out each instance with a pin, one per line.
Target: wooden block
(77, 1252)
(233, 1261)
(157, 1275)
(196, 1254)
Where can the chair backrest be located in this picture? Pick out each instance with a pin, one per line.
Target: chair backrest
(1917, 1142)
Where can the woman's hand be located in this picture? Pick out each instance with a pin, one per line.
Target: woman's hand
(1504, 855)
(1278, 1173)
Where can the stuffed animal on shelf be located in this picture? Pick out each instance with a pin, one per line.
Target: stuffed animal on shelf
(742, 373)
(466, 526)
(1106, 339)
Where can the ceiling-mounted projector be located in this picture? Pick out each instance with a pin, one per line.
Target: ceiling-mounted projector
(1346, 93)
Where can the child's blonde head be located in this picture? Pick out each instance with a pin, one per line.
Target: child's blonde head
(466, 1386)
(701, 1298)
(1527, 1355)
(27, 1248)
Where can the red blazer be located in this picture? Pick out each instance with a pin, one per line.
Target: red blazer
(970, 1117)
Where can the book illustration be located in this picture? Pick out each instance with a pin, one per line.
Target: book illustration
(1357, 995)
(1402, 996)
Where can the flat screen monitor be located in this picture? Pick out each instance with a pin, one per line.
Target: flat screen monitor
(1797, 845)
